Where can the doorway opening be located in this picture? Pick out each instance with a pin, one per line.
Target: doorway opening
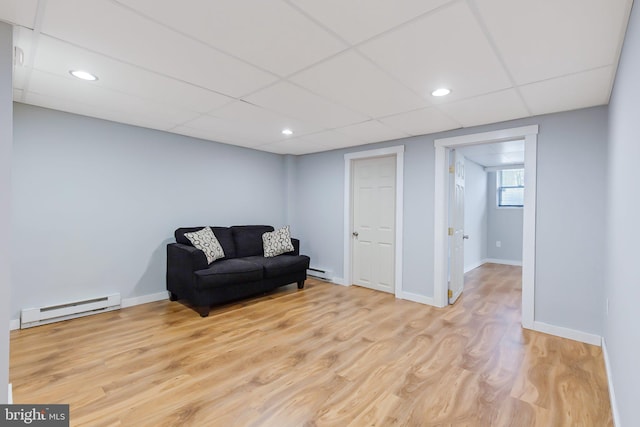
(442, 202)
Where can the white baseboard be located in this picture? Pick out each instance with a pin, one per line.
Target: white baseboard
(143, 299)
(339, 281)
(468, 268)
(126, 302)
(612, 394)
(504, 261)
(10, 395)
(571, 334)
(409, 296)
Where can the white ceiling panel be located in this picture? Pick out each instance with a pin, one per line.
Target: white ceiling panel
(589, 88)
(270, 124)
(497, 154)
(338, 73)
(72, 106)
(20, 12)
(358, 20)
(543, 39)
(356, 83)
(121, 34)
(270, 34)
(295, 146)
(250, 124)
(421, 122)
(332, 139)
(372, 131)
(492, 108)
(417, 55)
(293, 101)
(59, 58)
(69, 88)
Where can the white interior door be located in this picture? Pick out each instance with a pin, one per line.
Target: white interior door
(456, 230)
(373, 234)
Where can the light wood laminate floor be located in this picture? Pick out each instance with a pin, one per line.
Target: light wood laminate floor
(327, 355)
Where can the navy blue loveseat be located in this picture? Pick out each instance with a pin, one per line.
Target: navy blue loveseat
(244, 271)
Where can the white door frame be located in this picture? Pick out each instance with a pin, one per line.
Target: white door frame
(441, 209)
(398, 152)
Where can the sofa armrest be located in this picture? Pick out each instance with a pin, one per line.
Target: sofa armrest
(296, 247)
(185, 258)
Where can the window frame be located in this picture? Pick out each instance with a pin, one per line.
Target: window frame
(499, 188)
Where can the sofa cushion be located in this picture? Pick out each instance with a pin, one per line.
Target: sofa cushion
(223, 234)
(207, 242)
(248, 239)
(281, 264)
(229, 272)
(277, 242)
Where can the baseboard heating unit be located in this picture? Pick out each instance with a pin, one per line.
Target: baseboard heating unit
(30, 317)
(319, 274)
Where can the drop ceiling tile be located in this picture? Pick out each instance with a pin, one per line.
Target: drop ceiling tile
(492, 108)
(333, 139)
(372, 131)
(293, 101)
(57, 57)
(421, 122)
(587, 89)
(72, 106)
(356, 83)
(543, 39)
(122, 34)
(263, 122)
(357, 20)
(296, 146)
(247, 124)
(270, 34)
(19, 12)
(416, 54)
(69, 89)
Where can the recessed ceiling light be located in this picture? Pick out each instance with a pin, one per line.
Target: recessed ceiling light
(287, 132)
(441, 92)
(84, 75)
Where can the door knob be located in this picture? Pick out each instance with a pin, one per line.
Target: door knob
(465, 236)
(355, 234)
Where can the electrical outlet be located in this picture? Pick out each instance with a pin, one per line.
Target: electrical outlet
(498, 244)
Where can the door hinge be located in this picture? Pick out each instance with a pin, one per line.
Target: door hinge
(450, 293)
(452, 169)
(450, 231)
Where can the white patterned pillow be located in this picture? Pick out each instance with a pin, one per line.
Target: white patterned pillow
(207, 242)
(277, 242)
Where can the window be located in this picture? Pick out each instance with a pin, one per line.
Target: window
(510, 188)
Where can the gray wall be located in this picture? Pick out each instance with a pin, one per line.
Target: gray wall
(95, 202)
(569, 275)
(6, 142)
(475, 214)
(504, 225)
(622, 335)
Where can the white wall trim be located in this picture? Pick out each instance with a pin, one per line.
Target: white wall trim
(571, 334)
(468, 268)
(144, 299)
(340, 281)
(612, 393)
(14, 324)
(503, 261)
(398, 151)
(10, 395)
(410, 296)
(441, 208)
